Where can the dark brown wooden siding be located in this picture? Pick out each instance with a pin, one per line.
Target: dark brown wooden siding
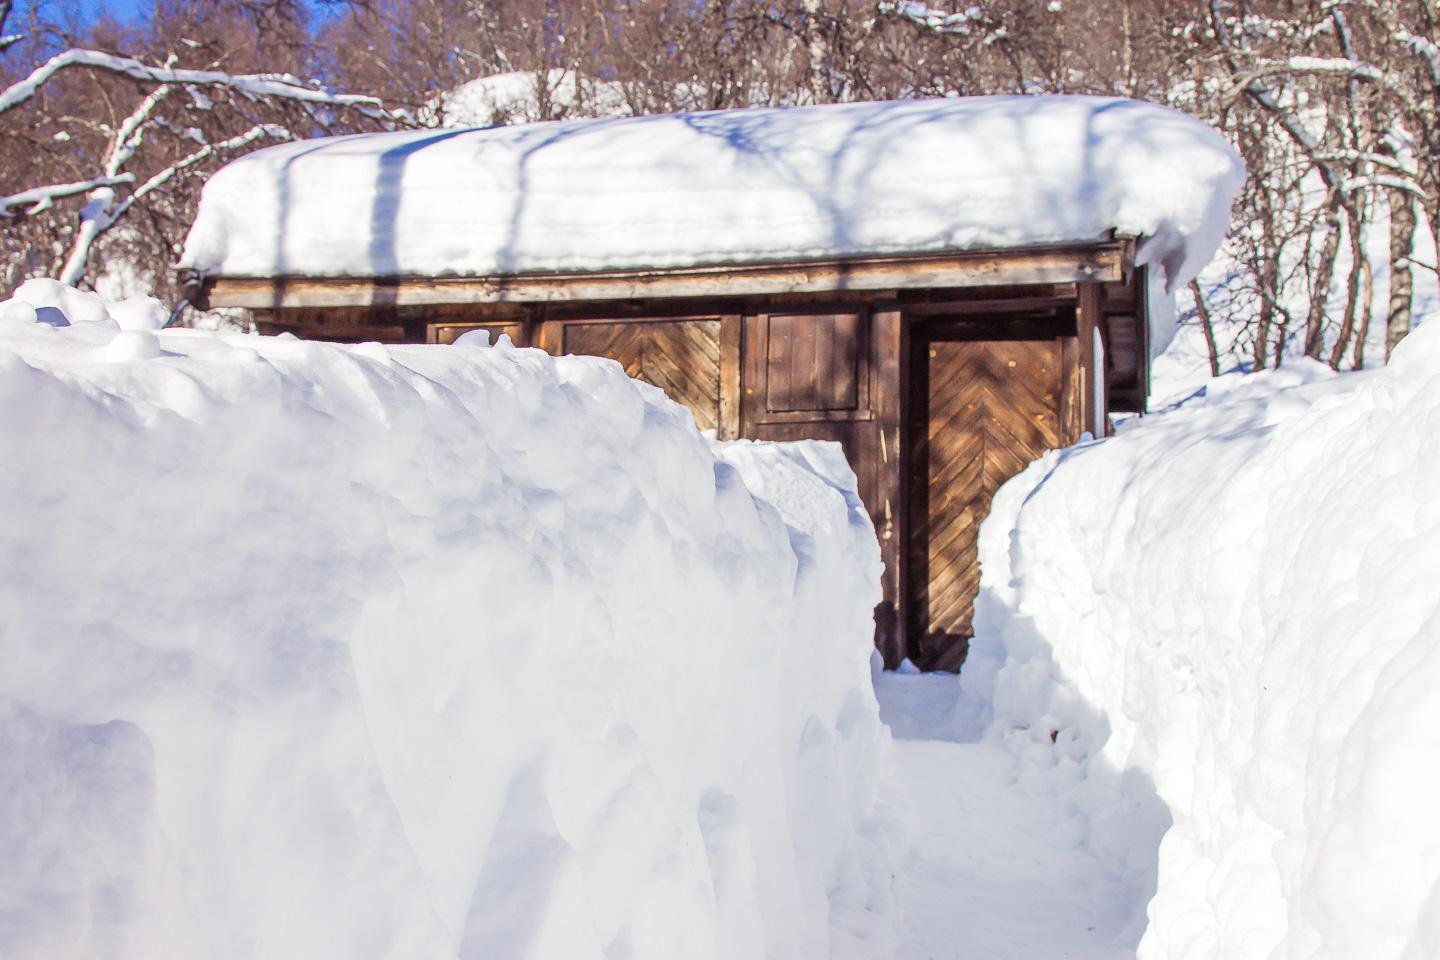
(681, 357)
(694, 359)
(450, 332)
(813, 362)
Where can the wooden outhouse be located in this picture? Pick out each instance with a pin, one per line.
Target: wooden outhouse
(942, 368)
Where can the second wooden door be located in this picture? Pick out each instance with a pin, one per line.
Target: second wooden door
(982, 410)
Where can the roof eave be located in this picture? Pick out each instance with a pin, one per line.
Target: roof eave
(1106, 260)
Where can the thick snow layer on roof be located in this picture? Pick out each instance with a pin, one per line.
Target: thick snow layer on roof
(728, 187)
(1221, 628)
(325, 651)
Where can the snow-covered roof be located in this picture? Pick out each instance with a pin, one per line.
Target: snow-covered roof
(739, 186)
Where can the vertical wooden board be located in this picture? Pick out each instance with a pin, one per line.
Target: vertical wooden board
(1087, 319)
(1142, 330)
(754, 369)
(839, 378)
(1072, 391)
(819, 396)
(730, 397)
(779, 363)
(804, 357)
(887, 346)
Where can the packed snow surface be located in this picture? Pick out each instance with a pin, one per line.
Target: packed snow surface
(735, 186)
(989, 876)
(1214, 641)
(321, 651)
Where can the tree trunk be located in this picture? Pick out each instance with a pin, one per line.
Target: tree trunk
(1269, 275)
(1367, 309)
(1320, 287)
(1202, 309)
(1402, 238)
(817, 51)
(1352, 288)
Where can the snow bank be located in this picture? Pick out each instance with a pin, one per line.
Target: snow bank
(732, 186)
(1226, 617)
(319, 651)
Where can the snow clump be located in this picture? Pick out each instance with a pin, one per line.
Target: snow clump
(319, 651)
(51, 302)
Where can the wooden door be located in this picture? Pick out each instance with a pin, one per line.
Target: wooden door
(681, 357)
(982, 410)
(833, 373)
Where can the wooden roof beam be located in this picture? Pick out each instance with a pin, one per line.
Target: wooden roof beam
(1107, 262)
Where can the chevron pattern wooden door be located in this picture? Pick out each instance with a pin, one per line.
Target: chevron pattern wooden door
(983, 410)
(681, 357)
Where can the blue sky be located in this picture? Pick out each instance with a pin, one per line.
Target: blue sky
(129, 9)
(120, 9)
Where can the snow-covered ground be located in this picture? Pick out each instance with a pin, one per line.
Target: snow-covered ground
(321, 651)
(989, 876)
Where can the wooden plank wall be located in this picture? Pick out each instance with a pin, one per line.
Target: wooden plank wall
(681, 357)
(839, 366)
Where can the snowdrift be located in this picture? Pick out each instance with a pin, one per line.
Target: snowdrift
(318, 651)
(1222, 627)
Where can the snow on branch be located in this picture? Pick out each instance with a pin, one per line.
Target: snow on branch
(102, 212)
(40, 199)
(1356, 184)
(104, 205)
(935, 20)
(1423, 47)
(257, 85)
(1332, 66)
(1361, 156)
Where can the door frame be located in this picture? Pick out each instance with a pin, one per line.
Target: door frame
(1057, 319)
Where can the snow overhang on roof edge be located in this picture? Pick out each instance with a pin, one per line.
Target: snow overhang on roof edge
(733, 188)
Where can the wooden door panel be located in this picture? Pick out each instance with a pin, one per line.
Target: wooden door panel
(812, 362)
(983, 411)
(681, 357)
(807, 368)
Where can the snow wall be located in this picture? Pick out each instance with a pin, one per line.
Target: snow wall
(318, 651)
(1221, 627)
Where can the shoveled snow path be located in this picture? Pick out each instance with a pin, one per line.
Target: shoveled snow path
(989, 877)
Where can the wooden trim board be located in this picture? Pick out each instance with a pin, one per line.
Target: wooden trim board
(1106, 261)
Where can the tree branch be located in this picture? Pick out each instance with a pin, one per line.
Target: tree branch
(935, 21)
(256, 85)
(1332, 66)
(43, 198)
